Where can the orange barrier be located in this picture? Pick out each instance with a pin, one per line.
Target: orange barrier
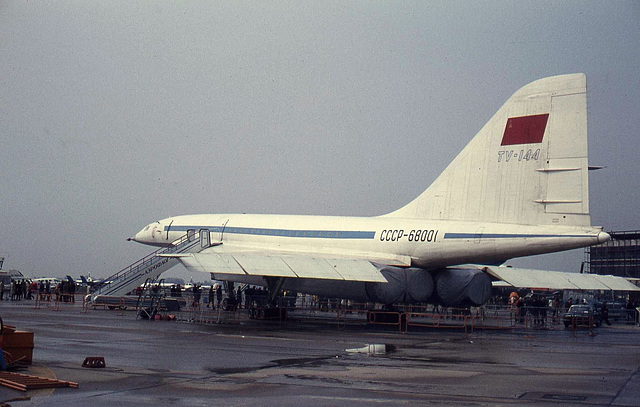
(63, 300)
(382, 318)
(56, 301)
(576, 322)
(436, 320)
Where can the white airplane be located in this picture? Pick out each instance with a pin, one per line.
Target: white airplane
(519, 188)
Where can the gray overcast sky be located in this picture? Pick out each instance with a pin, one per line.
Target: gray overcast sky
(114, 114)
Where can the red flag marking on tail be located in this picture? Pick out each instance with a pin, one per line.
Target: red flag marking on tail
(524, 129)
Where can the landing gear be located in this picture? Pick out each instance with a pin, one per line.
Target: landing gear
(266, 307)
(229, 304)
(275, 313)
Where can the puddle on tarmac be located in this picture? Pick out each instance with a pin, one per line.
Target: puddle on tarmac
(317, 361)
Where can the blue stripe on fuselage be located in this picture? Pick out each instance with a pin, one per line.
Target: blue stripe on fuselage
(502, 236)
(348, 234)
(318, 234)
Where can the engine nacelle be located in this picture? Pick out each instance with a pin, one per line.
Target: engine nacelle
(405, 285)
(457, 287)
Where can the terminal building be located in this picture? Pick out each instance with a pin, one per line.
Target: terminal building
(618, 257)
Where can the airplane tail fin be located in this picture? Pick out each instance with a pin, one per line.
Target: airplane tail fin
(527, 165)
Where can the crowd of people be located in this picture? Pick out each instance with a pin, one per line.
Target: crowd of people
(533, 305)
(17, 290)
(540, 307)
(215, 296)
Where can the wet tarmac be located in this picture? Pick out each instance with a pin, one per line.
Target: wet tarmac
(256, 363)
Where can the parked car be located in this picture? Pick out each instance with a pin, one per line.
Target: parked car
(583, 314)
(617, 311)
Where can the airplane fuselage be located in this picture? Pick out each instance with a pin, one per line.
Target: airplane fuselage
(427, 244)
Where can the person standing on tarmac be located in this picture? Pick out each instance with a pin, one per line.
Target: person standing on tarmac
(219, 295)
(196, 296)
(211, 298)
(239, 297)
(605, 313)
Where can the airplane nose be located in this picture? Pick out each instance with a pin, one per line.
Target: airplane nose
(136, 238)
(143, 236)
(152, 234)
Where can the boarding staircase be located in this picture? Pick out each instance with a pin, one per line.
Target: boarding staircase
(148, 267)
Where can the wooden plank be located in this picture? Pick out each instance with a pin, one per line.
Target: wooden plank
(25, 382)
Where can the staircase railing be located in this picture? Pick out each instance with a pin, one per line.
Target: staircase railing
(131, 272)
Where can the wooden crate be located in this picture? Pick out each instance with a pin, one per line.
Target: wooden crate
(17, 346)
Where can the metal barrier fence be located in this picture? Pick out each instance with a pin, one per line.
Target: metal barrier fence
(56, 301)
(343, 313)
